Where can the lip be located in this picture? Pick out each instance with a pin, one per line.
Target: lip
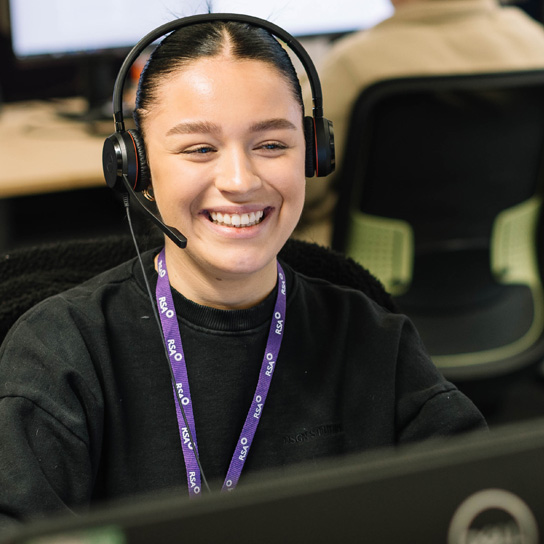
(237, 209)
(238, 232)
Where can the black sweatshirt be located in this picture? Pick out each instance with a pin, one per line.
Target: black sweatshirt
(87, 410)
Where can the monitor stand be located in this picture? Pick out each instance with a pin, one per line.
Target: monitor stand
(96, 80)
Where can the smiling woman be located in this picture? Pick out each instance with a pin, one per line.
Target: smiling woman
(222, 122)
(255, 351)
(242, 153)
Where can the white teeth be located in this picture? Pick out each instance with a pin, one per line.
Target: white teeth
(237, 220)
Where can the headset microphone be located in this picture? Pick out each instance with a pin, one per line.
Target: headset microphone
(112, 156)
(172, 233)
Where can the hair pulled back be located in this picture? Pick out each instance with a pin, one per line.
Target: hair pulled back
(187, 44)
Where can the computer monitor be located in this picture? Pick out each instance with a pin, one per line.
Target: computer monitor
(483, 487)
(52, 28)
(97, 34)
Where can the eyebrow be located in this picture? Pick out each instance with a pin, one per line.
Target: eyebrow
(194, 127)
(203, 127)
(271, 124)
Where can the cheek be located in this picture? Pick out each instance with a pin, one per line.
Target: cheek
(301, 197)
(297, 183)
(299, 190)
(170, 190)
(293, 193)
(172, 178)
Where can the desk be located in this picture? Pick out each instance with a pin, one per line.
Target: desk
(47, 157)
(42, 152)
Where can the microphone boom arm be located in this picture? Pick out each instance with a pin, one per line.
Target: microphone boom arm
(171, 232)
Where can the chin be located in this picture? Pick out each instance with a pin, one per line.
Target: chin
(243, 261)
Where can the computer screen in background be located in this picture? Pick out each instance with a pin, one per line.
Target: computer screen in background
(94, 37)
(63, 27)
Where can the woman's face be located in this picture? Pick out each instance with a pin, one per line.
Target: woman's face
(226, 150)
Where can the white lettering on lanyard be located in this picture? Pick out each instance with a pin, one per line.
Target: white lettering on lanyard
(163, 306)
(259, 407)
(283, 286)
(279, 323)
(244, 450)
(192, 482)
(186, 438)
(172, 350)
(270, 365)
(162, 271)
(184, 400)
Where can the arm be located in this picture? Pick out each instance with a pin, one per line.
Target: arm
(44, 467)
(427, 404)
(46, 420)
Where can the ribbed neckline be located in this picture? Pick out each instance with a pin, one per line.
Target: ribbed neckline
(205, 317)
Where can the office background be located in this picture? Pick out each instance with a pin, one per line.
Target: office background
(51, 184)
(53, 120)
(56, 109)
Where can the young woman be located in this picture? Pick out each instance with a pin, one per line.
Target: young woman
(270, 367)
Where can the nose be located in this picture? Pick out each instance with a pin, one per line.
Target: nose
(236, 173)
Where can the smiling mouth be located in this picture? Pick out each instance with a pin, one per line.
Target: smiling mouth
(237, 220)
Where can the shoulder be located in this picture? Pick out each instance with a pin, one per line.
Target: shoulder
(332, 273)
(355, 319)
(31, 275)
(89, 301)
(66, 339)
(319, 291)
(329, 291)
(361, 313)
(370, 39)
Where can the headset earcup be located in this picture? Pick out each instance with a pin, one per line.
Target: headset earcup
(309, 136)
(143, 178)
(324, 145)
(122, 162)
(113, 153)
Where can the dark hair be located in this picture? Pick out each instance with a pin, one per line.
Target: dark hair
(190, 43)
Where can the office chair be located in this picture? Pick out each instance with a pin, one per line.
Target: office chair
(440, 197)
(30, 274)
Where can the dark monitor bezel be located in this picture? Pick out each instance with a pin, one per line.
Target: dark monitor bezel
(408, 495)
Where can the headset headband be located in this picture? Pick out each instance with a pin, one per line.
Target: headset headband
(123, 156)
(162, 30)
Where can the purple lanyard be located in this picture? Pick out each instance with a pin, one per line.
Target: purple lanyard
(172, 337)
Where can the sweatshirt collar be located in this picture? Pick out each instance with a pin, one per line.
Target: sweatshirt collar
(212, 319)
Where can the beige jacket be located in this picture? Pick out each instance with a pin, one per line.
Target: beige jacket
(427, 37)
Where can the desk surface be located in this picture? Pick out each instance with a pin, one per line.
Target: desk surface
(42, 152)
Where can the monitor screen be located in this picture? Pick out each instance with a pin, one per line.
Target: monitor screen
(484, 487)
(64, 27)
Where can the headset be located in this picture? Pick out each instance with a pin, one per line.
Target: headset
(123, 156)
